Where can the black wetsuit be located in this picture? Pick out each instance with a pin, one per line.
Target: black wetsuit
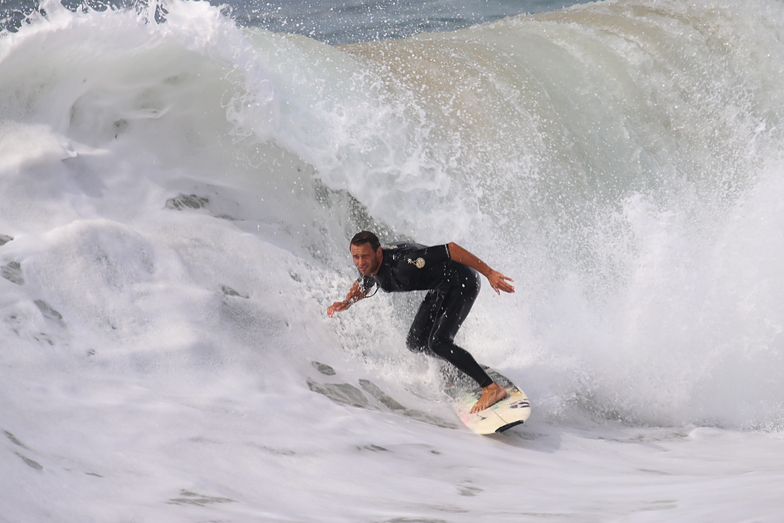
(452, 288)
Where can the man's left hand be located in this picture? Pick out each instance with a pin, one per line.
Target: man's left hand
(499, 282)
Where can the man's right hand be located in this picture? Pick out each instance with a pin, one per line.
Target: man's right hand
(338, 306)
(355, 294)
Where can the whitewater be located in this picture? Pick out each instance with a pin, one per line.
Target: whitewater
(177, 193)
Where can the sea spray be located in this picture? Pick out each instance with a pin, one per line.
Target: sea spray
(606, 150)
(618, 160)
(176, 198)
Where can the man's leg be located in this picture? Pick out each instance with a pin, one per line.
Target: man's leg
(455, 305)
(422, 326)
(453, 310)
(435, 324)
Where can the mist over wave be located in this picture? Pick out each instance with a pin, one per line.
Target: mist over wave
(176, 197)
(178, 194)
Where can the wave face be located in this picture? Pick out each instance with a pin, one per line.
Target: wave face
(178, 192)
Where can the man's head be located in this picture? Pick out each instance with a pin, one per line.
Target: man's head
(366, 237)
(366, 252)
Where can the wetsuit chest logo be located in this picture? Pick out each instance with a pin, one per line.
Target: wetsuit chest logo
(419, 262)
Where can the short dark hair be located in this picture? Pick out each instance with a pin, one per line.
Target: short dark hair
(364, 237)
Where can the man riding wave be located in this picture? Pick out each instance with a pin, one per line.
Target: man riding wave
(449, 273)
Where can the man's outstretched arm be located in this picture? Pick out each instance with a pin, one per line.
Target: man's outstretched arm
(356, 293)
(498, 281)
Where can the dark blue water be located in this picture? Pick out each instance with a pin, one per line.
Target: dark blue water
(334, 21)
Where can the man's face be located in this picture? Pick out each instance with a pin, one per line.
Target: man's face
(366, 259)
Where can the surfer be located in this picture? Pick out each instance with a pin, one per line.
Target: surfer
(449, 274)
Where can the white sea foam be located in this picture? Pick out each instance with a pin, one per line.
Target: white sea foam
(175, 202)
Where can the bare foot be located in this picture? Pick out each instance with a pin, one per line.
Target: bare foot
(491, 395)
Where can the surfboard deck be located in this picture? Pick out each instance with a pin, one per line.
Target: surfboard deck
(507, 413)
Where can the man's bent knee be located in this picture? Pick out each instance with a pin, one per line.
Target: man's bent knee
(416, 343)
(441, 348)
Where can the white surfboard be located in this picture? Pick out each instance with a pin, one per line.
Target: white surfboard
(507, 413)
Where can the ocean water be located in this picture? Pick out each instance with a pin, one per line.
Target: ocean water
(178, 185)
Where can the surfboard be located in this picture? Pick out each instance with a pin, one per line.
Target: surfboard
(507, 413)
(464, 392)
